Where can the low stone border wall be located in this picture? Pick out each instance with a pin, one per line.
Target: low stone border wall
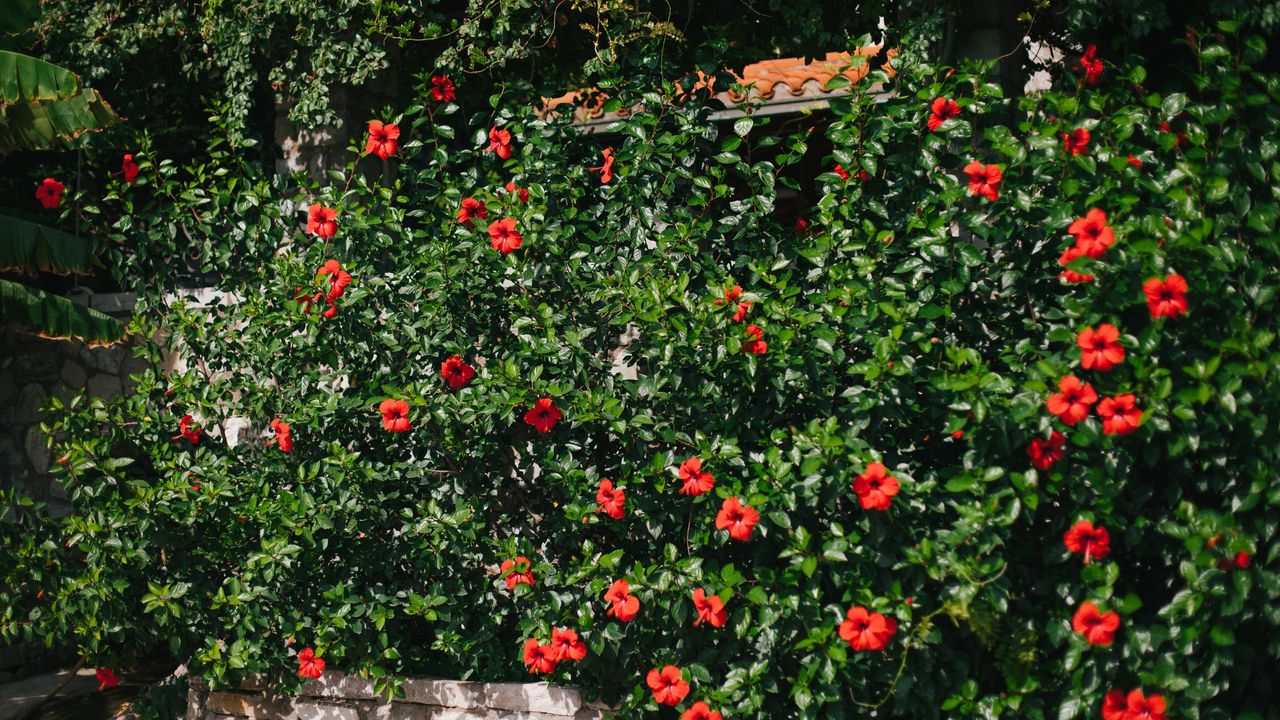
(335, 696)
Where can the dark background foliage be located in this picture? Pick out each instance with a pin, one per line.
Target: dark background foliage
(908, 311)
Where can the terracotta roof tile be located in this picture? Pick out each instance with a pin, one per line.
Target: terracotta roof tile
(783, 80)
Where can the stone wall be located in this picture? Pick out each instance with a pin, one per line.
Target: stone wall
(335, 696)
(26, 659)
(32, 371)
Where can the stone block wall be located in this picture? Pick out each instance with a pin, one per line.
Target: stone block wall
(33, 370)
(335, 696)
(25, 659)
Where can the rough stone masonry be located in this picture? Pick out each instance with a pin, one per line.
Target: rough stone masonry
(335, 696)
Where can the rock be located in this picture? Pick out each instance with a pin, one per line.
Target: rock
(72, 374)
(335, 696)
(132, 367)
(337, 685)
(105, 387)
(316, 711)
(8, 390)
(12, 656)
(105, 359)
(37, 450)
(253, 706)
(30, 401)
(532, 697)
(36, 366)
(449, 693)
(10, 455)
(57, 490)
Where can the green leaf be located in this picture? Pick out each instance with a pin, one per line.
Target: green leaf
(42, 104)
(1173, 105)
(53, 316)
(28, 247)
(1222, 636)
(24, 79)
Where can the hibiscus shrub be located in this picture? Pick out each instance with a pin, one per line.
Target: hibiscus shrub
(991, 432)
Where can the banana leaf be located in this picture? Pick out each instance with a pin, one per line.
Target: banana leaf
(29, 247)
(42, 104)
(53, 316)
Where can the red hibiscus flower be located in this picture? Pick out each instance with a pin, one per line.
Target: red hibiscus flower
(307, 299)
(499, 143)
(1083, 538)
(1044, 453)
(941, 110)
(384, 139)
(1093, 235)
(700, 711)
(755, 344)
(330, 311)
(605, 169)
(1181, 135)
(984, 180)
(49, 193)
(471, 209)
(1140, 707)
(283, 435)
(522, 193)
(696, 481)
(395, 415)
(1072, 404)
(1098, 628)
(456, 372)
(188, 429)
(543, 415)
(741, 314)
(730, 294)
(622, 604)
(709, 609)
(322, 221)
(737, 518)
(339, 279)
(1136, 162)
(1092, 65)
(839, 170)
(309, 666)
(1167, 297)
(1068, 256)
(1076, 142)
(1114, 706)
(874, 488)
(611, 500)
(106, 678)
(802, 225)
(129, 169)
(566, 644)
(503, 236)
(1100, 349)
(517, 571)
(442, 89)
(1120, 414)
(668, 687)
(540, 658)
(867, 630)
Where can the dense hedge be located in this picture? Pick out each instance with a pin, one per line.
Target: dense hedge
(957, 444)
